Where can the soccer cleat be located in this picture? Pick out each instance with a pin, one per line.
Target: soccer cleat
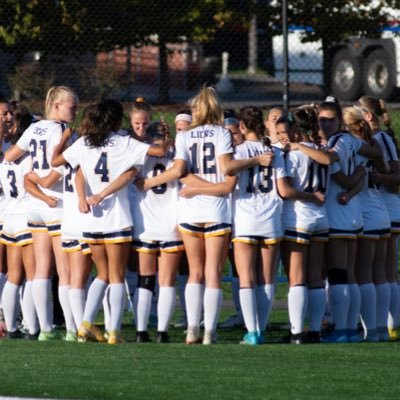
(181, 323)
(394, 334)
(312, 337)
(90, 332)
(15, 335)
(114, 337)
(31, 336)
(193, 335)
(296, 338)
(142, 337)
(353, 336)
(383, 334)
(71, 336)
(234, 321)
(163, 337)
(209, 337)
(337, 336)
(261, 337)
(47, 336)
(250, 338)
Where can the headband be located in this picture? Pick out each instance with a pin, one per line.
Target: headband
(231, 121)
(183, 117)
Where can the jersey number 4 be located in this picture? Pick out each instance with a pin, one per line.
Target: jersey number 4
(101, 168)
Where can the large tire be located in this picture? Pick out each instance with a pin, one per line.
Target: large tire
(346, 75)
(379, 78)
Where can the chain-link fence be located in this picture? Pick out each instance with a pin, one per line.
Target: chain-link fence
(165, 51)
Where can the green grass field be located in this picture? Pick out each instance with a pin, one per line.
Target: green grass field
(224, 371)
(177, 371)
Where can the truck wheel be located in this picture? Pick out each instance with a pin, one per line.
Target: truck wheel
(379, 76)
(346, 76)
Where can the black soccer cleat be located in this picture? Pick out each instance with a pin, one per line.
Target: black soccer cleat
(142, 337)
(163, 337)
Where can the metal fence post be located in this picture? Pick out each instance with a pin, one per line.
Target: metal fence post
(285, 55)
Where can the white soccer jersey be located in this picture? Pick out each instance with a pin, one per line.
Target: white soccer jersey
(307, 176)
(100, 166)
(341, 217)
(12, 181)
(374, 212)
(201, 148)
(257, 206)
(392, 200)
(155, 214)
(39, 140)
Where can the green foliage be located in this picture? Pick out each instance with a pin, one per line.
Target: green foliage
(338, 20)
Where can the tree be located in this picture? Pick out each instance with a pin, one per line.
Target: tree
(337, 20)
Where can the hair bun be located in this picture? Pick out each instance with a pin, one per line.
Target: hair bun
(140, 100)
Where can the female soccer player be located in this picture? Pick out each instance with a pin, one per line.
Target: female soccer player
(40, 140)
(17, 237)
(373, 111)
(157, 241)
(103, 155)
(372, 242)
(204, 221)
(306, 230)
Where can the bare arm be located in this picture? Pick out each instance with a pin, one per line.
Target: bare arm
(35, 191)
(344, 197)
(321, 156)
(80, 185)
(287, 191)
(348, 182)
(175, 172)
(114, 186)
(213, 189)
(230, 166)
(195, 181)
(161, 149)
(58, 159)
(13, 153)
(47, 181)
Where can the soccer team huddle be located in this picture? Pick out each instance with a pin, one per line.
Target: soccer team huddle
(316, 189)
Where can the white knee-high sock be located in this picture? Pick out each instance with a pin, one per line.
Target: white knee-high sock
(248, 305)
(41, 292)
(29, 310)
(117, 304)
(107, 308)
(182, 281)
(77, 303)
(165, 307)
(382, 304)
(94, 298)
(142, 306)
(297, 307)
(63, 295)
(368, 307)
(3, 279)
(132, 281)
(354, 306)
(194, 294)
(339, 301)
(265, 299)
(394, 305)
(316, 308)
(10, 301)
(212, 308)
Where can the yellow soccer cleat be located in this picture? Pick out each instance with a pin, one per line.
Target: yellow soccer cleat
(90, 332)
